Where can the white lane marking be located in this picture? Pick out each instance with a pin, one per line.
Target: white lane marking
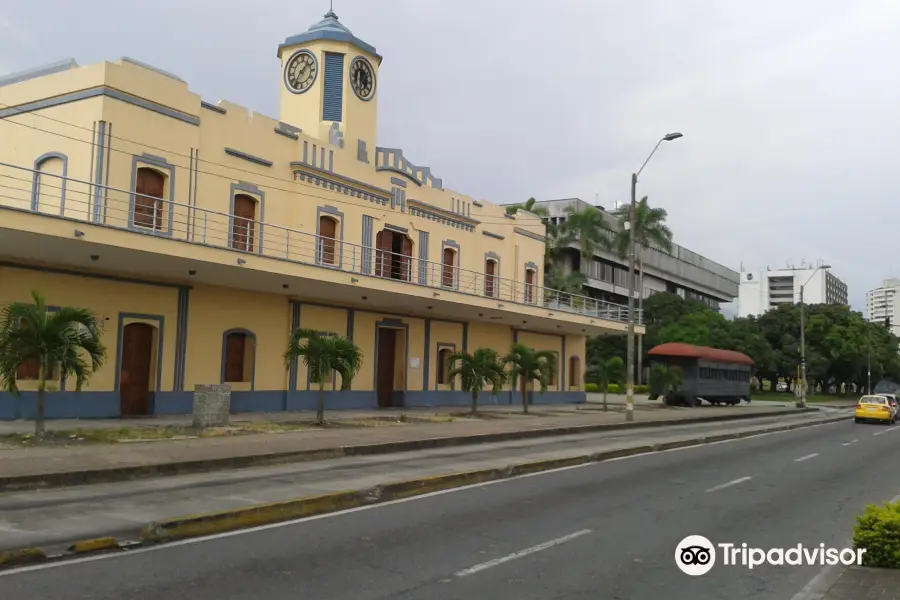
(848, 443)
(521, 553)
(729, 484)
(887, 430)
(807, 457)
(200, 540)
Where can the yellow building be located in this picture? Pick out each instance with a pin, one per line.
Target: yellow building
(203, 234)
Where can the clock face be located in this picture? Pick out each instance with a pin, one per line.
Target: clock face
(362, 78)
(301, 71)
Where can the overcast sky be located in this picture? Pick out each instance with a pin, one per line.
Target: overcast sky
(789, 109)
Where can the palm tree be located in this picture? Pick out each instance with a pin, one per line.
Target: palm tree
(62, 343)
(650, 229)
(611, 370)
(324, 354)
(588, 227)
(665, 380)
(531, 206)
(529, 365)
(476, 371)
(556, 279)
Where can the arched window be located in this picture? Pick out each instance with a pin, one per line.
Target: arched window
(327, 235)
(48, 192)
(243, 223)
(554, 376)
(490, 277)
(444, 367)
(529, 285)
(239, 356)
(574, 372)
(148, 195)
(448, 274)
(393, 253)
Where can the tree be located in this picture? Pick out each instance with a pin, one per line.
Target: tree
(62, 343)
(476, 371)
(556, 279)
(665, 380)
(605, 372)
(588, 227)
(649, 229)
(531, 206)
(323, 354)
(529, 365)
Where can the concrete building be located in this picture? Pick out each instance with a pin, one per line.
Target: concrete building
(203, 234)
(680, 271)
(762, 290)
(883, 303)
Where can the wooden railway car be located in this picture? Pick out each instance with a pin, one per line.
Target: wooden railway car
(717, 376)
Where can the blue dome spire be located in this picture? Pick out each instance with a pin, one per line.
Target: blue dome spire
(329, 28)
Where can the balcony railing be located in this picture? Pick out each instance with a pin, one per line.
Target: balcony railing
(54, 195)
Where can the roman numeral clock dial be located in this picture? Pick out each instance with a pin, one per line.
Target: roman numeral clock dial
(301, 71)
(362, 78)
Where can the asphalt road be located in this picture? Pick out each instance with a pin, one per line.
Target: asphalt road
(57, 517)
(606, 530)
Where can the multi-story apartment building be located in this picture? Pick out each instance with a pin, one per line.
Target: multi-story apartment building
(203, 234)
(883, 303)
(679, 271)
(762, 290)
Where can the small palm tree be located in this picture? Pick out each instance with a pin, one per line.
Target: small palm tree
(666, 380)
(531, 206)
(611, 370)
(62, 343)
(324, 354)
(477, 370)
(529, 365)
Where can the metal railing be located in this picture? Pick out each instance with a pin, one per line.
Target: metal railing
(390, 257)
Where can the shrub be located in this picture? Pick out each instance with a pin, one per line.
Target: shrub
(591, 388)
(613, 388)
(641, 389)
(877, 530)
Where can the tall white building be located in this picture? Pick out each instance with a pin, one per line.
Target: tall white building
(762, 290)
(884, 302)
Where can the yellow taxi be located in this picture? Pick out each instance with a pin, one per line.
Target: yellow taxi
(875, 408)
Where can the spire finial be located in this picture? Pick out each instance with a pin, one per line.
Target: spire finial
(330, 13)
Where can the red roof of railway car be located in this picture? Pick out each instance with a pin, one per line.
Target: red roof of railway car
(689, 351)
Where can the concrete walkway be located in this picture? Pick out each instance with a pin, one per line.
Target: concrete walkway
(17, 461)
(860, 583)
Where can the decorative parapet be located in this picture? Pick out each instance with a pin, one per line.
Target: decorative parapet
(417, 208)
(343, 185)
(392, 159)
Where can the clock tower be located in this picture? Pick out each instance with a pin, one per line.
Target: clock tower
(329, 83)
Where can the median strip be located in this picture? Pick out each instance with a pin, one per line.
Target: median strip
(202, 525)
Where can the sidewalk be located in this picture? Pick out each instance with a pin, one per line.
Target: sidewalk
(862, 583)
(17, 461)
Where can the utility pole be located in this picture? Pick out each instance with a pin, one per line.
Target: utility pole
(801, 399)
(629, 375)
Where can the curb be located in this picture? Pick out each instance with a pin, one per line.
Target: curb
(200, 525)
(64, 479)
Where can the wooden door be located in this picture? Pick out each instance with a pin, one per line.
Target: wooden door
(447, 276)
(490, 271)
(406, 255)
(243, 223)
(134, 376)
(327, 235)
(235, 351)
(148, 198)
(384, 241)
(385, 376)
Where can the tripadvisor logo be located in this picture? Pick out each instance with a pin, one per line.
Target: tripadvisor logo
(696, 555)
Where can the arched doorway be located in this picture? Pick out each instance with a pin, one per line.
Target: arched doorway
(393, 253)
(136, 369)
(574, 373)
(148, 194)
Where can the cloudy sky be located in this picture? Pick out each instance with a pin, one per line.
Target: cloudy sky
(789, 109)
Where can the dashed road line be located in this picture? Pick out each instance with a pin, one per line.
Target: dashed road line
(729, 484)
(521, 553)
(807, 457)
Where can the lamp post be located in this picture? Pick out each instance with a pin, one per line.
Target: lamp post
(629, 376)
(801, 398)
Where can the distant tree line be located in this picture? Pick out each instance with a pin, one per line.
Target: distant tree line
(840, 344)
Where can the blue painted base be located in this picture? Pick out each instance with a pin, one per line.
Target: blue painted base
(105, 405)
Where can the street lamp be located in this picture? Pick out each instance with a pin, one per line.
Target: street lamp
(629, 381)
(801, 400)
